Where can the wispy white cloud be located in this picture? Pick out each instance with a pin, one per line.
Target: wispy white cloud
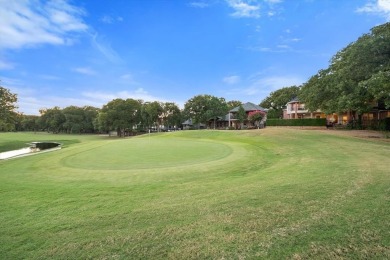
(260, 86)
(29, 23)
(283, 46)
(231, 79)
(276, 82)
(84, 70)
(199, 4)
(254, 8)
(127, 76)
(108, 19)
(244, 8)
(295, 39)
(377, 7)
(30, 105)
(104, 47)
(12, 82)
(27, 104)
(273, 1)
(31, 100)
(271, 13)
(104, 97)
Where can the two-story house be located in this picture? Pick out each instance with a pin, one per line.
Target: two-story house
(296, 109)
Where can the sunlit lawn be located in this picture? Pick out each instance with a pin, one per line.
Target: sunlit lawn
(270, 193)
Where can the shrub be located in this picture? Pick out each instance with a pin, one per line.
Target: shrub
(255, 117)
(297, 122)
(385, 124)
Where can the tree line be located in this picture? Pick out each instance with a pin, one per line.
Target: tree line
(125, 116)
(357, 75)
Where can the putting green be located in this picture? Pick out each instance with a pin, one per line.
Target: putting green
(144, 153)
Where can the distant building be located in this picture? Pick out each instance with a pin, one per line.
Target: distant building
(230, 120)
(296, 109)
(188, 124)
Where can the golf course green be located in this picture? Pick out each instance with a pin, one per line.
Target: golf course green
(273, 193)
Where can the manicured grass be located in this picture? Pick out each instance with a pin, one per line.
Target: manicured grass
(271, 193)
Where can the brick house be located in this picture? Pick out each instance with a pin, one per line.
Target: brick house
(296, 109)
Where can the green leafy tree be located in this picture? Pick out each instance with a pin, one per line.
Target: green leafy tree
(74, 119)
(357, 75)
(152, 113)
(29, 123)
(278, 99)
(79, 119)
(172, 116)
(216, 107)
(233, 104)
(202, 108)
(8, 115)
(255, 117)
(241, 116)
(90, 116)
(119, 115)
(196, 107)
(52, 119)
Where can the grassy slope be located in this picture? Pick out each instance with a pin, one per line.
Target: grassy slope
(273, 193)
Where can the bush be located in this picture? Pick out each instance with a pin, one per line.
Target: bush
(385, 124)
(297, 122)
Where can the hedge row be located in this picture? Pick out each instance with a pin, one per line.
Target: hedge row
(297, 122)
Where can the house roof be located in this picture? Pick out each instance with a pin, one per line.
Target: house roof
(248, 107)
(190, 123)
(187, 122)
(294, 100)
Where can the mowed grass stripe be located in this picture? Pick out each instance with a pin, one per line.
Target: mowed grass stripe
(286, 194)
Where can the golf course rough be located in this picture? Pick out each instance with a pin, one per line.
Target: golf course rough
(271, 193)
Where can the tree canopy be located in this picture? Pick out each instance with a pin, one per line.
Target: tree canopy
(358, 75)
(278, 99)
(52, 119)
(233, 104)
(202, 108)
(7, 109)
(120, 115)
(255, 117)
(241, 115)
(152, 113)
(172, 115)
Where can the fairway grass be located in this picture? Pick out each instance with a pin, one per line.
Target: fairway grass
(273, 193)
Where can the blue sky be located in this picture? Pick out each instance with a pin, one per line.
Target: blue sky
(88, 52)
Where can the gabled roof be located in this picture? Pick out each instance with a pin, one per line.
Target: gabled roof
(190, 123)
(248, 107)
(224, 118)
(187, 122)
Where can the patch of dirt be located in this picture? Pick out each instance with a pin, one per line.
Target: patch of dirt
(369, 134)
